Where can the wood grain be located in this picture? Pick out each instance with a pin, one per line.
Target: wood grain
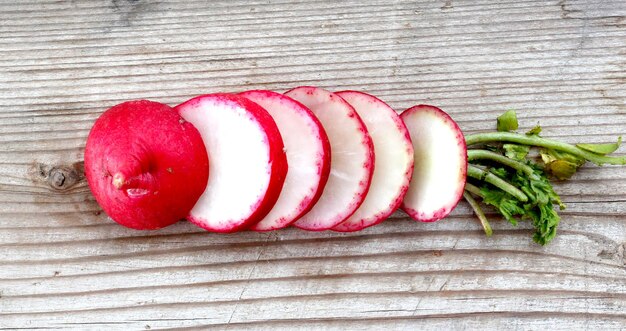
(64, 265)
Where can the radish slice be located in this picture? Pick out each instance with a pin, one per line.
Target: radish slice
(352, 158)
(393, 165)
(440, 168)
(308, 156)
(248, 164)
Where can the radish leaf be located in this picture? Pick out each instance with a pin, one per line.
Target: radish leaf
(507, 121)
(561, 165)
(601, 149)
(534, 131)
(516, 152)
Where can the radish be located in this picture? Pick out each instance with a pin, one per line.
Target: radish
(145, 165)
(148, 167)
(439, 174)
(352, 158)
(308, 156)
(248, 164)
(393, 164)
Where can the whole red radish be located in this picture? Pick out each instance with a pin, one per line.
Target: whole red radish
(351, 161)
(308, 155)
(248, 162)
(145, 165)
(440, 169)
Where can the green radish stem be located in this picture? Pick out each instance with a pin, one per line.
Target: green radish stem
(542, 142)
(479, 213)
(477, 154)
(490, 178)
(473, 189)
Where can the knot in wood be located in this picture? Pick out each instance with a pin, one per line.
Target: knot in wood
(62, 177)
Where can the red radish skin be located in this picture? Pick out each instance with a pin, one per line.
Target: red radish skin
(248, 162)
(393, 164)
(308, 155)
(145, 165)
(352, 158)
(440, 170)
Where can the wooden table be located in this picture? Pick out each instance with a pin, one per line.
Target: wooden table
(63, 264)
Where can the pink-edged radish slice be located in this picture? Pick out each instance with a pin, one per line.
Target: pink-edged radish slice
(440, 169)
(308, 156)
(248, 164)
(393, 165)
(351, 161)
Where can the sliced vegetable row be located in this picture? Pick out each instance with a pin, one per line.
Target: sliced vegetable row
(318, 160)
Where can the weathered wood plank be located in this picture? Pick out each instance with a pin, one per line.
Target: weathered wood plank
(63, 264)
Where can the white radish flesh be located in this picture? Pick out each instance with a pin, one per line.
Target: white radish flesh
(393, 165)
(352, 158)
(247, 162)
(440, 169)
(308, 156)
